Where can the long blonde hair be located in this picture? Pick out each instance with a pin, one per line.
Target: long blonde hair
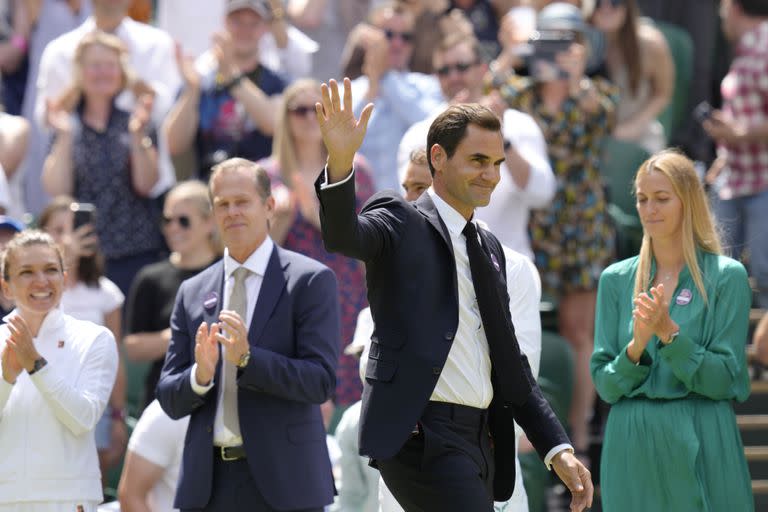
(72, 95)
(283, 145)
(699, 229)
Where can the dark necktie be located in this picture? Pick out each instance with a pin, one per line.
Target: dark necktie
(507, 373)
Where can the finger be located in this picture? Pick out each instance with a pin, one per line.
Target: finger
(223, 340)
(325, 97)
(347, 94)
(214, 330)
(365, 116)
(202, 333)
(335, 98)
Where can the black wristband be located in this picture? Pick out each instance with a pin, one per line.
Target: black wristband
(38, 365)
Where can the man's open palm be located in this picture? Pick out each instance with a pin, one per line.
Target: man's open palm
(342, 133)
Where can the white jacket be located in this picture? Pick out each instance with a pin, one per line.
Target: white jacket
(47, 419)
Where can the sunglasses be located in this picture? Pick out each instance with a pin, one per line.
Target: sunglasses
(406, 37)
(460, 67)
(302, 110)
(183, 221)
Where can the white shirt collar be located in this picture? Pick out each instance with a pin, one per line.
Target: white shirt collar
(256, 262)
(89, 25)
(454, 221)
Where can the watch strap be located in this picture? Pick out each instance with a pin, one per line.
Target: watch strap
(38, 365)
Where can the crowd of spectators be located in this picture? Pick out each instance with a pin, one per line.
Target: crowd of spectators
(126, 105)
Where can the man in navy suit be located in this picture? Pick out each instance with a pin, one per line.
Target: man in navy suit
(252, 356)
(445, 378)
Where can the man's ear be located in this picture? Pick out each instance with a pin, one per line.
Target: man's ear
(438, 156)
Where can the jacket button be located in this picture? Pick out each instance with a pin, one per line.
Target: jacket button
(436, 370)
(449, 336)
(209, 429)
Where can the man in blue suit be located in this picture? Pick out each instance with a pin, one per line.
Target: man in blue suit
(252, 356)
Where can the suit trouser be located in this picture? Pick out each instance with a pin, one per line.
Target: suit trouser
(446, 466)
(234, 489)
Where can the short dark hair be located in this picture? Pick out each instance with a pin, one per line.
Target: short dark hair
(758, 8)
(453, 39)
(450, 127)
(260, 175)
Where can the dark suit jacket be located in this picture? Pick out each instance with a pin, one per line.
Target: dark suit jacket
(412, 290)
(294, 337)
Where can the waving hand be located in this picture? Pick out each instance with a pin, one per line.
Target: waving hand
(342, 133)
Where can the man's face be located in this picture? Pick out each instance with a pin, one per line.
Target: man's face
(458, 68)
(241, 214)
(246, 29)
(417, 179)
(398, 28)
(112, 7)
(467, 179)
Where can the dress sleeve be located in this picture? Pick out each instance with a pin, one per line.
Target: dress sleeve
(716, 367)
(613, 373)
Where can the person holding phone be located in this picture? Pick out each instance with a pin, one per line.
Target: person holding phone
(573, 238)
(89, 295)
(669, 357)
(57, 374)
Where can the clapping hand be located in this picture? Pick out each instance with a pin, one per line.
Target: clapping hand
(206, 353)
(186, 65)
(10, 365)
(21, 343)
(236, 340)
(141, 115)
(58, 118)
(342, 133)
(653, 311)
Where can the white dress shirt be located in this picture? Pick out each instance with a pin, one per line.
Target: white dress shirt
(257, 264)
(507, 213)
(47, 419)
(152, 58)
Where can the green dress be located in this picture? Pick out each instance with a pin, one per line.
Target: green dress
(671, 441)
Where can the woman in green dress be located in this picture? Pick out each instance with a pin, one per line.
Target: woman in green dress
(671, 326)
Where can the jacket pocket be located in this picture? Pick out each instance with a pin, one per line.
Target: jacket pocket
(380, 369)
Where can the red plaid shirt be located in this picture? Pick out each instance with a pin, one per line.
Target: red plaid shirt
(745, 100)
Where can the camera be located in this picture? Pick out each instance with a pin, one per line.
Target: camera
(546, 44)
(84, 213)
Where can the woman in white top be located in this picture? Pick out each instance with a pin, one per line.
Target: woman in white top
(57, 374)
(89, 295)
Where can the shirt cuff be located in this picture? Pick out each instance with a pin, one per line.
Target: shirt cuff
(326, 185)
(197, 388)
(554, 451)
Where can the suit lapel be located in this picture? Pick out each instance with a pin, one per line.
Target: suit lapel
(426, 207)
(271, 288)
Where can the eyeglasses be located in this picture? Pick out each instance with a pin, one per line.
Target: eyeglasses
(302, 110)
(460, 67)
(183, 221)
(406, 37)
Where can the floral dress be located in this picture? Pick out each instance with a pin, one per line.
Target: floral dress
(572, 239)
(306, 239)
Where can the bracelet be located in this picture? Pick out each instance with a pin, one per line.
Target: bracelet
(19, 42)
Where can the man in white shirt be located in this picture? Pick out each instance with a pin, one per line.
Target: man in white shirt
(151, 53)
(526, 176)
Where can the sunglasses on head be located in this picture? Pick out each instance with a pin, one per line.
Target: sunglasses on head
(407, 37)
(460, 67)
(183, 221)
(302, 110)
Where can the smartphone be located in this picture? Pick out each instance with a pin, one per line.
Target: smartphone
(546, 44)
(702, 112)
(85, 213)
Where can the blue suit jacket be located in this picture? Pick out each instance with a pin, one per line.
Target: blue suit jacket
(294, 337)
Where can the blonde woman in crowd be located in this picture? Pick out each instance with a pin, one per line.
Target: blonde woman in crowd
(106, 156)
(669, 355)
(57, 374)
(191, 236)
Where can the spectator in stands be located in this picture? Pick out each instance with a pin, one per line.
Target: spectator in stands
(14, 138)
(150, 53)
(88, 295)
(106, 156)
(8, 229)
(229, 102)
(191, 236)
(739, 176)
(573, 238)
(297, 153)
(17, 20)
(638, 62)
(401, 97)
(669, 355)
(760, 340)
(152, 464)
(57, 374)
(526, 179)
(415, 177)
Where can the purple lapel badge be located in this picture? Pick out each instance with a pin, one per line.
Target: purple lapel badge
(210, 300)
(684, 297)
(495, 262)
